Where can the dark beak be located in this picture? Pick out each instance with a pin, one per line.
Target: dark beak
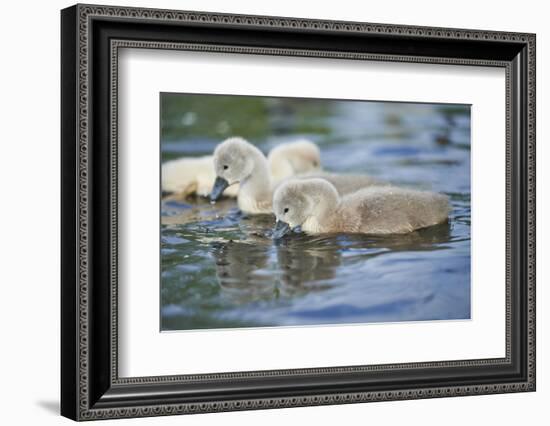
(217, 190)
(281, 229)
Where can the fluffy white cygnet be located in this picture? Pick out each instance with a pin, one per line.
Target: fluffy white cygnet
(315, 206)
(238, 161)
(195, 175)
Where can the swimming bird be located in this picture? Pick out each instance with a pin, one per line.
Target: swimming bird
(195, 175)
(316, 207)
(292, 158)
(238, 161)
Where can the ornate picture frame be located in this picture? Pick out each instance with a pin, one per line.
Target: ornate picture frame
(91, 37)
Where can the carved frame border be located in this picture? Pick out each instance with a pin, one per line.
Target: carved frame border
(85, 14)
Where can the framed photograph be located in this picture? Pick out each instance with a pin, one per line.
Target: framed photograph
(263, 212)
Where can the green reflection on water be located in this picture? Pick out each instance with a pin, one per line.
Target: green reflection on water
(219, 116)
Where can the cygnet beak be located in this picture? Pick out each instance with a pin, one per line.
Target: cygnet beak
(281, 229)
(217, 190)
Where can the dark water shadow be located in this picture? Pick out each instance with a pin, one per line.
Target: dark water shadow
(307, 264)
(260, 269)
(427, 239)
(236, 266)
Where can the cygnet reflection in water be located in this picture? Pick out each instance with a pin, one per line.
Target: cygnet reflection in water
(307, 264)
(248, 272)
(260, 269)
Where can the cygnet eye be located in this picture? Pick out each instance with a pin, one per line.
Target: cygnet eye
(225, 167)
(285, 210)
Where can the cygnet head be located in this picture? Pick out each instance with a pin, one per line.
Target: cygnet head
(296, 200)
(307, 158)
(233, 163)
(288, 159)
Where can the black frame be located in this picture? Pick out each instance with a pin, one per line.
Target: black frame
(90, 38)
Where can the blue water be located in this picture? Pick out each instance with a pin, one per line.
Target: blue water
(221, 269)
